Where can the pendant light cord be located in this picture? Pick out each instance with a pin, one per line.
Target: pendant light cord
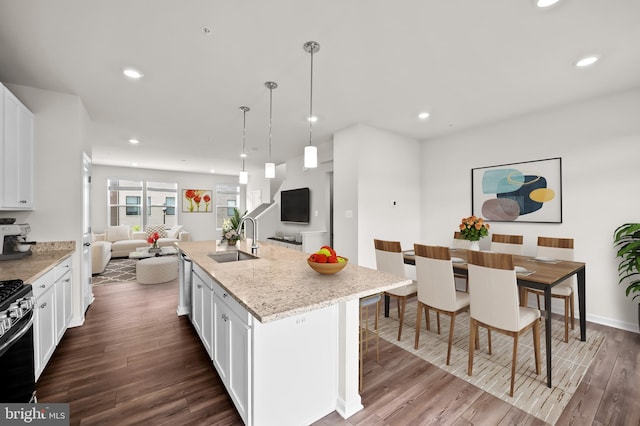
(311, 101)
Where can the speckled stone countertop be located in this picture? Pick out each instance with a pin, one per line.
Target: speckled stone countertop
(280, 283)
(45, 256)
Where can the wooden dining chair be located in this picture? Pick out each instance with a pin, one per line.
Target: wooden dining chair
(561, 249)
(437, 289)
(494, 303)
(510, 244)
(366, 333)
(461, 243)
(389, 259)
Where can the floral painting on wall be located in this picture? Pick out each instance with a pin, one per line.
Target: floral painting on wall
(197, 200)
(530, 191)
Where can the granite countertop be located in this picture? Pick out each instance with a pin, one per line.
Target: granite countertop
(45, 256)
(280, 283)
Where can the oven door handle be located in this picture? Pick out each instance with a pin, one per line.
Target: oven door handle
(18, 335)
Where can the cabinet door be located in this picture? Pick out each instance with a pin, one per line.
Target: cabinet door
(68, 307)
(62, 289)
(220, 337)
(197, 286)
(239, 370)
(17, 161)
(207, 319)
(44, 329)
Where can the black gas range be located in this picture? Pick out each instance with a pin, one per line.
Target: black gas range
(17, 370)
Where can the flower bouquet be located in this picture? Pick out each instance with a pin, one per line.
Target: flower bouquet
(230, 232)
(473, 228)
(153, 240)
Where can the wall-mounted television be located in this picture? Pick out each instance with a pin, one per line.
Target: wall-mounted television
(294, 205)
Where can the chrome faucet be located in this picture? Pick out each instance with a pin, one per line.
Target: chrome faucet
(254, 240)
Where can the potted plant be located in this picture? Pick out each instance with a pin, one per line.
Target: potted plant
(627, 240)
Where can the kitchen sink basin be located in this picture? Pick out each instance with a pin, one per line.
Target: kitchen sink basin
(231, 256)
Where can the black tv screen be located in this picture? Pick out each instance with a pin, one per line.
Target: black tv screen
(294, 205)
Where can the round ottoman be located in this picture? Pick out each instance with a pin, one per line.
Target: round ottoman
(156, 270)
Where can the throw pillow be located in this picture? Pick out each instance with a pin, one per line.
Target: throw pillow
(118, 233)
(174, 232)
(156, 228)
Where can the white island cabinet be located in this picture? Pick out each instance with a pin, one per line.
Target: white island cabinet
(284, 339)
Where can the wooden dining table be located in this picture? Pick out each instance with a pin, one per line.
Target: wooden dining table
(539, 275)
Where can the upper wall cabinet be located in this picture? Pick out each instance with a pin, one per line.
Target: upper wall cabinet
(16, 156)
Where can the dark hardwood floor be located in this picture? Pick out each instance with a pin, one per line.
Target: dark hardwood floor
(134, 361)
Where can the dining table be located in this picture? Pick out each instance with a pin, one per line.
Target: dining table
(531, 272)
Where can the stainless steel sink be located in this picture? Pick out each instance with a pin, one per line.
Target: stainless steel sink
(231, 256)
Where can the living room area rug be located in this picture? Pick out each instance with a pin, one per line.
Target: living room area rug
(118, 270)
(492, 373)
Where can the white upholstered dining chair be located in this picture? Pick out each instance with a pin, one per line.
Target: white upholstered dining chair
(437, 289)
(389, 259)
(510, 244)
(494, 303)
(561, 249)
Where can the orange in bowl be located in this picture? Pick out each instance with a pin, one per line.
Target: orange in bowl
(327, 268)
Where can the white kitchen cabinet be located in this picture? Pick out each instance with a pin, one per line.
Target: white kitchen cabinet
(52, 312)
(44, 321)
(232, 346)
(16, 137)
(202, 308)
(62, 288)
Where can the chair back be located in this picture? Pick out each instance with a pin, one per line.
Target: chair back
(389, 257)
(493, 290)
(459, 242)
(436, 286)
(557, 248)
(503, 243)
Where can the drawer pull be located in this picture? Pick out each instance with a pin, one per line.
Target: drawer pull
(44, 305)
(43, 286)
(225, 317)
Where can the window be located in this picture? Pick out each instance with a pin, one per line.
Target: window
(227, 197)
(126, 208)
(133, 205)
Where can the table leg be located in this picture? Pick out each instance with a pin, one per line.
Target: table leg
(387, 302)
(582, 303)
(547, 330)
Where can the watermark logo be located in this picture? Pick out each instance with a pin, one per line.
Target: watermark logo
(34, 414)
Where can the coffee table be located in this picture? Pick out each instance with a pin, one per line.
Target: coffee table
(144, 253)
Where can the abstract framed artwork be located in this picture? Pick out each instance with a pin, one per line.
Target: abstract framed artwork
(530, 191)
(197, 200)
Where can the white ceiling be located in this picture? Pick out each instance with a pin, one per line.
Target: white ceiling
(381, 62)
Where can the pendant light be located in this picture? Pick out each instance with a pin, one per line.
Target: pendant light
(310, 151)
(244, 176)
(270, 167)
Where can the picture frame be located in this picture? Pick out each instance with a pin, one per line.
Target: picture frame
(197, 200)
(529, 191)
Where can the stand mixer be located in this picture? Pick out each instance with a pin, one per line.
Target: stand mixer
(14, 241)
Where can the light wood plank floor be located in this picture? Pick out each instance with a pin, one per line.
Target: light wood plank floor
(134, 361)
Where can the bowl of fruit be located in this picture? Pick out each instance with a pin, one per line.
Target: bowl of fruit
(325, 261)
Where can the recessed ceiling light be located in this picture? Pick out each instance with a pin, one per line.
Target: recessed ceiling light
(423, 115)
(312, 119)
(132, 73)
(134, 164)
(212, 170)
(243, 155)
(546, 3)
(134, 141)
(587, 60)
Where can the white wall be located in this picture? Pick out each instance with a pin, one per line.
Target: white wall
(598, 141)
(202, 226)
(372, 169)
(60, 122)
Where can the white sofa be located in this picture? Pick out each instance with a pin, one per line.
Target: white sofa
(119, 241)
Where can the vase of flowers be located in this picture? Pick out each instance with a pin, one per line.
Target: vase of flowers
(472, 229)
(153, 240)
(230, 232)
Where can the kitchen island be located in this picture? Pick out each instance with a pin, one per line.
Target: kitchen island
(283, 338)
